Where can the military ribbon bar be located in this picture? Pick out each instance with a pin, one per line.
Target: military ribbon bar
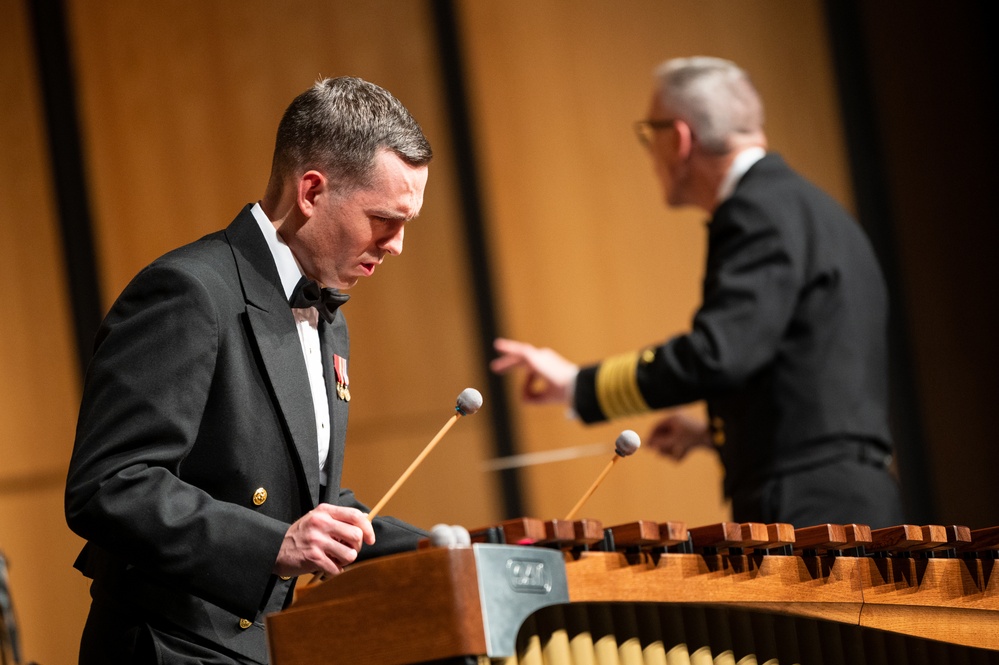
(342, 381)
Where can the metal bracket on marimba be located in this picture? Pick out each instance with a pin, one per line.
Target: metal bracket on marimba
(515, 582)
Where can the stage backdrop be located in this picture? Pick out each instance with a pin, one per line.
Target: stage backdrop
(178, 103)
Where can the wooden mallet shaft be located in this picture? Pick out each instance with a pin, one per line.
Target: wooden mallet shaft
(321, 577)
(469, 401)
(593, 488)
(626, 444)
(412, 467)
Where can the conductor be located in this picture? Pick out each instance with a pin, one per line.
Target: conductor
(788, 346)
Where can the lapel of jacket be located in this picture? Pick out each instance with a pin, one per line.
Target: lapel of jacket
(335, 342)
(272, 326)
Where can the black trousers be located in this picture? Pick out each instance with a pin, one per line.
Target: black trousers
(848, 490)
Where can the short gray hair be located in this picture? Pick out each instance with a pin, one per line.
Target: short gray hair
(715, 97)
(339, 125)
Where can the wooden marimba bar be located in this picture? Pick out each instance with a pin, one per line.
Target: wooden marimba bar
(528, 591)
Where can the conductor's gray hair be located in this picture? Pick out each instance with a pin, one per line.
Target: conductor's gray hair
(715, 97)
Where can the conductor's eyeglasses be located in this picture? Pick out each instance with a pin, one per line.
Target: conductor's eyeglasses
(645, 129)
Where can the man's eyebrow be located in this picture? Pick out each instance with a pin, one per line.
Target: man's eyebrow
(391, 214)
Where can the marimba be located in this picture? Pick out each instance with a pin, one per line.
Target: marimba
(527, 591)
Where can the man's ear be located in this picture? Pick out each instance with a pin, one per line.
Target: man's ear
(684, 139)
(310, 186)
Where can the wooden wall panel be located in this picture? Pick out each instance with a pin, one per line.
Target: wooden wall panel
(588, 260)
(39, 388)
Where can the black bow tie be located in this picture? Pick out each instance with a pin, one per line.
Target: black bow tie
(308, 293)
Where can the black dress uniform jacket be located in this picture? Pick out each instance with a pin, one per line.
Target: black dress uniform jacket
(789, 344)
(196, 449)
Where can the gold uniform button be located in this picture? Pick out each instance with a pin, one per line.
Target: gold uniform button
(285, 577)
(259, 496)
(648, 355)
(718, 431)
(245, 623)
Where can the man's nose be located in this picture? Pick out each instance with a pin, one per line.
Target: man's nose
(392, 242)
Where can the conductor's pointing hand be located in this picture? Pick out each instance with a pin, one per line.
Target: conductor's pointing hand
(550, 377)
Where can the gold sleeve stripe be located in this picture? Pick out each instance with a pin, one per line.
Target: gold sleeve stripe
(608, 378)
(617, 386)
(623, 393)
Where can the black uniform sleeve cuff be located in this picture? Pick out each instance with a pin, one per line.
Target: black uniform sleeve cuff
(585, 402)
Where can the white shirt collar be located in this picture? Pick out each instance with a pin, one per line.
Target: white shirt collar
(742, 163)
(287, 267)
